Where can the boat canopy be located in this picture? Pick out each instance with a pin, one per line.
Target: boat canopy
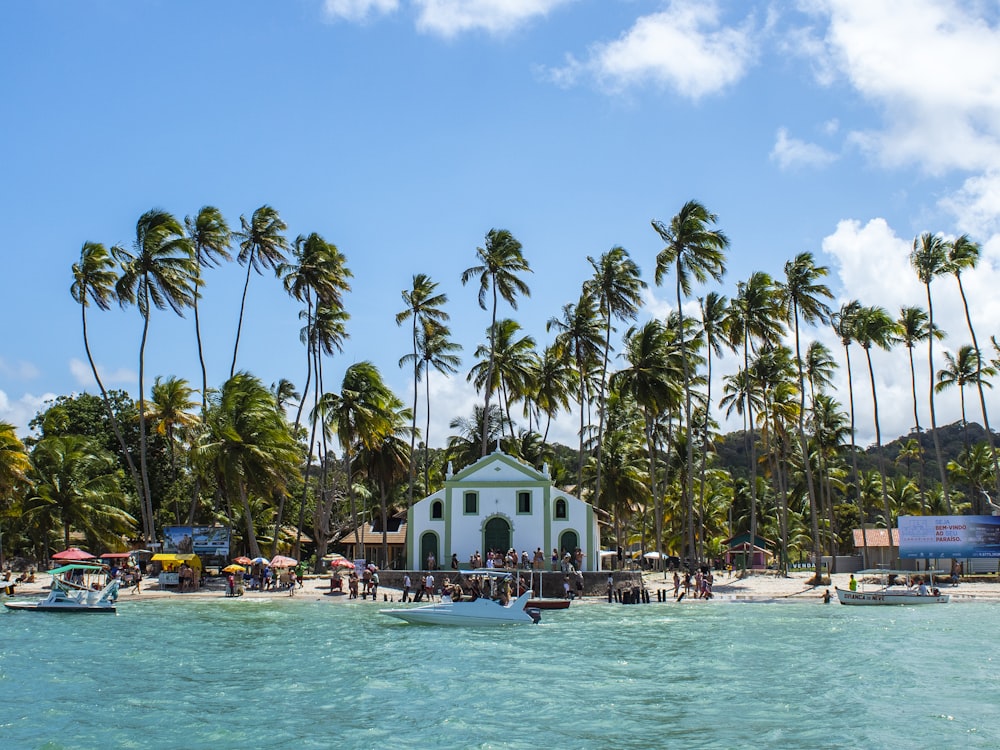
(93, 568)
(172, 560)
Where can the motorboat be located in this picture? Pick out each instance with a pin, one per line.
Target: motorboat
(890, 591)
(469, 612)
(70, 591)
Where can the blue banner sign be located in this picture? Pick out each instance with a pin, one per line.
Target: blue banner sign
(205, 541)
(929, 537)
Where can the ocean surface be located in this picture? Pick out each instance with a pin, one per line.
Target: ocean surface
(299, 674)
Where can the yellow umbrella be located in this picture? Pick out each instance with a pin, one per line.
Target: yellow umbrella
(234, 569)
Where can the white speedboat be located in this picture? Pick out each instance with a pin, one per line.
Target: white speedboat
(67, 594)
(898, 592)
(469, 612)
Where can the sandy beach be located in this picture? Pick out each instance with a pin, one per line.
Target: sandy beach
(757, 587)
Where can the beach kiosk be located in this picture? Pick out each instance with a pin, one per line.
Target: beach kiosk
(180, 570)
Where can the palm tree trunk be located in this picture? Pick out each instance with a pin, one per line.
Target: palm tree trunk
(854, 458)
(687, 489)
(489, 370)
(916, 422)
(881, 457)
(133, 472)
(979, 386)
(239, 324)
(147, 495)
(248, 522)
(930, 363)
(806, 460)
(413, 427)
(427, 432)
(602, 401)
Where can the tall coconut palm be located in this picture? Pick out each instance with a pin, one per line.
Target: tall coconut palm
(262, 245)
(617, 285)
(963, 368)
(14, 466)
(714, 310)
(913, 326)
(963, 254)
(803, 298)
(513, 355)
(211, 238)
(754, 318)
(385, 459)
(435, 350)
(170, 416)
(94, 278)
(423, 305)
(650, 380)
(248, 445)
(929, 258)
(361, 415)
(500, 262)
(696, 252)
(463, 448)
(873, 326)
(161, 272)
(579, 338)
(844, 323)
(554, 381)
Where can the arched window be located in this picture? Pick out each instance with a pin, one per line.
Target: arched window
(437, 509)
(561, 508)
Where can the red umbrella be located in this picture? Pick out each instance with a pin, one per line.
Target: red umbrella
(342, 563)
(242, 560)
(73, 553)
(280, 561)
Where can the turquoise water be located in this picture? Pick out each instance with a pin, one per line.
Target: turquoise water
(236, 673)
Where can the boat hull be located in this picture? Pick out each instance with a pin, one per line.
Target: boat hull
(548, 603)
(475, 613)
(41, 607)
(887, 598)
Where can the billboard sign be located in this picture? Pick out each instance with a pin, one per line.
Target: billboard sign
(930, 537)
(204, 541)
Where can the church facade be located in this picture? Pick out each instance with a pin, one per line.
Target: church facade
(500, 503)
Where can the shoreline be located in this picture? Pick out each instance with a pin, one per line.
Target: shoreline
(763, 587)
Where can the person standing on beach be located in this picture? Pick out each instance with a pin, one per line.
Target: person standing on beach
(406, 587)
(429, 587)
(677, 584)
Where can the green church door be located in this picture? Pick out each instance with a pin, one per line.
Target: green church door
(568, 542)
(428, 547)
(497, 535)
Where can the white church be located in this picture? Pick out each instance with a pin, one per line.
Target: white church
(500, 503)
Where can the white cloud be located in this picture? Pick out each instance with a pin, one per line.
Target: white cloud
(358, 10)
(685, 48)
(23, 410)
(81, 371)
(450, 17)
(976, 206)
(790, 153)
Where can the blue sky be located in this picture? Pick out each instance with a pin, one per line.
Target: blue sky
(404, 130)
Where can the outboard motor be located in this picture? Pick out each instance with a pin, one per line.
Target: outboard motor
(534, 613)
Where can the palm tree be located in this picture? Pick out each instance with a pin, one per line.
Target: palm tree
(650, 381)
(873, 326)
(500, 262)
(386, 459)
(435, 349)
(962, 369)
(423, 305)
(76, 487)
(753, 319)
(170, 412)
(361, 415)
(617, 285)
(929, 259)
(844, 325)
(94, 279)
(963, 254)
(802, 297)
(912, 326)
(14, 461)
(579, 339)
(554, 380)
(262, 245)
(714, 309)
(696, 252)
(162, 271)
(512, 365)
(248, 445)
(464, 448)
(211, 238)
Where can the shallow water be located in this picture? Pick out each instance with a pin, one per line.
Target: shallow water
(237, 673)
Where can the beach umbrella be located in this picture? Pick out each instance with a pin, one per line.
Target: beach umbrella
(73, 553)
(260, 561)
(243, 560)
(342, 562)
(234, 569)
(280, 561)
